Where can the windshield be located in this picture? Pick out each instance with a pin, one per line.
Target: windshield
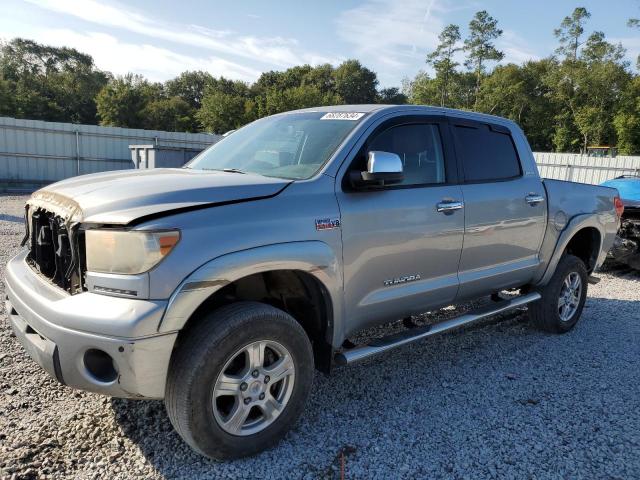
(293, 146)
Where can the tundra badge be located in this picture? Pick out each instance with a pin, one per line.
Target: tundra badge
(404, 279)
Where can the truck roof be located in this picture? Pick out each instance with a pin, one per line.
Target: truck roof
(380, 108)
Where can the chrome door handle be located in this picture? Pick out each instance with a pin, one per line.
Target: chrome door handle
(449, 206)
(534, 199)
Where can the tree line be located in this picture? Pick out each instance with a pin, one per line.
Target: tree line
(40, 82)
(583, 94)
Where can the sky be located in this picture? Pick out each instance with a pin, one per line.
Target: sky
(241, 39)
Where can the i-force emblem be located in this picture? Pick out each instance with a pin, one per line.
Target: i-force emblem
(327, 223)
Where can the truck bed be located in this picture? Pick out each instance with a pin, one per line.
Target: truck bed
(570, 204)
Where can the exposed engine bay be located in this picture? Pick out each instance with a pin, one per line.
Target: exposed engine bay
(626, 248)
(55, 249)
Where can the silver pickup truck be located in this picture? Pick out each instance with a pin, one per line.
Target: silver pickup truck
(220, 287)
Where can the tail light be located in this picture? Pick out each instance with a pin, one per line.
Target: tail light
(619, 206)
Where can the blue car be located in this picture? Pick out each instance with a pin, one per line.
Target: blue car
(626, 248)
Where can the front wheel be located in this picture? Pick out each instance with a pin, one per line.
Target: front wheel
(239, 380)
(563, 297)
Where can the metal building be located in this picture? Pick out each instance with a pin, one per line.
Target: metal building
(34, 153)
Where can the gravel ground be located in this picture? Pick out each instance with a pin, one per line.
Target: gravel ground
(500, 400)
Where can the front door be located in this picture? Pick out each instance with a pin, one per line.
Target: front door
(402, 243)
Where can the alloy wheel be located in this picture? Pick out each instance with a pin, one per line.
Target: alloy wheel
(253, 388)
(570, 295)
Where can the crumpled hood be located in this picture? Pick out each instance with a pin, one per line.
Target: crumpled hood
(123, 196)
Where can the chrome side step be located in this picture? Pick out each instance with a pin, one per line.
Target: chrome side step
(402, 338)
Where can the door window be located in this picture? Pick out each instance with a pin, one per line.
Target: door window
(419, 147)
(486, 154)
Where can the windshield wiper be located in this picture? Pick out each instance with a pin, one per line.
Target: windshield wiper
(230, 170)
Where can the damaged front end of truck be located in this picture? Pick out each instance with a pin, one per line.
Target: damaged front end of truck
(626, 248)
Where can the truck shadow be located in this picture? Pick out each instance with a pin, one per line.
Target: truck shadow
(621, 271)
(11, 218)
(447, 394)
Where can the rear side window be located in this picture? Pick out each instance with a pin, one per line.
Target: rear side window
(486, 154)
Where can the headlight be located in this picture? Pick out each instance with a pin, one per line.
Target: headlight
(127, 252)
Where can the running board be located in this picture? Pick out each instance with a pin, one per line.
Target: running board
(407, 336)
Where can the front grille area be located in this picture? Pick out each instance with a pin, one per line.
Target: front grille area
(56, 252)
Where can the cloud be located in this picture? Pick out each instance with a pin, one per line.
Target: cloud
(515, 48)
(392, 33)
(632, 44)
(155, 63)
(275, 51)
(395, 37)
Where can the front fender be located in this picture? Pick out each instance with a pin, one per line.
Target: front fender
(313, 257)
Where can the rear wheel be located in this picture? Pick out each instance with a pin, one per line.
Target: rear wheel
(239, 380)
(563, 297)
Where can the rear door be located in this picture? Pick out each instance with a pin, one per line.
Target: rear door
(505, 210)
(402, 243)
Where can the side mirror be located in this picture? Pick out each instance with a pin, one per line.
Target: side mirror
(383, 168)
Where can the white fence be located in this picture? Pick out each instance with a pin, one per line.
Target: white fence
(584, 169)
(34, 153)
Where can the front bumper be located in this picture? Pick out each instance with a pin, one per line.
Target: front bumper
(58, 329)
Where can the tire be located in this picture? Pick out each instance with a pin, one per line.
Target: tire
(547, 313)
(203, 406)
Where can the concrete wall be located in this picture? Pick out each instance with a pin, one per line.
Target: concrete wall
(35, 153)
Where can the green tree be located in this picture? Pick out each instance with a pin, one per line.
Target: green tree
(171, 114)
(586, 85)
(570, 33)
(464, 93)
(304, 96)
(222, 111)
(391, 96)
(627, 127)
(292, 77)
(421, 90)
(565, 137)
(597, 49)
(235, 95)
(588, 95)
(7, 106)
(424, 90)
(190, 87)
(442, 60)
(354, 83)
(479, 47)
(627, 119)
(321, 77)
(121, 102)
(49, 83)
(592, 124)
(521, 94)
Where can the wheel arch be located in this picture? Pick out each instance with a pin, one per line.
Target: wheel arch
(301, 278)
(585, 244)
(583, 237)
